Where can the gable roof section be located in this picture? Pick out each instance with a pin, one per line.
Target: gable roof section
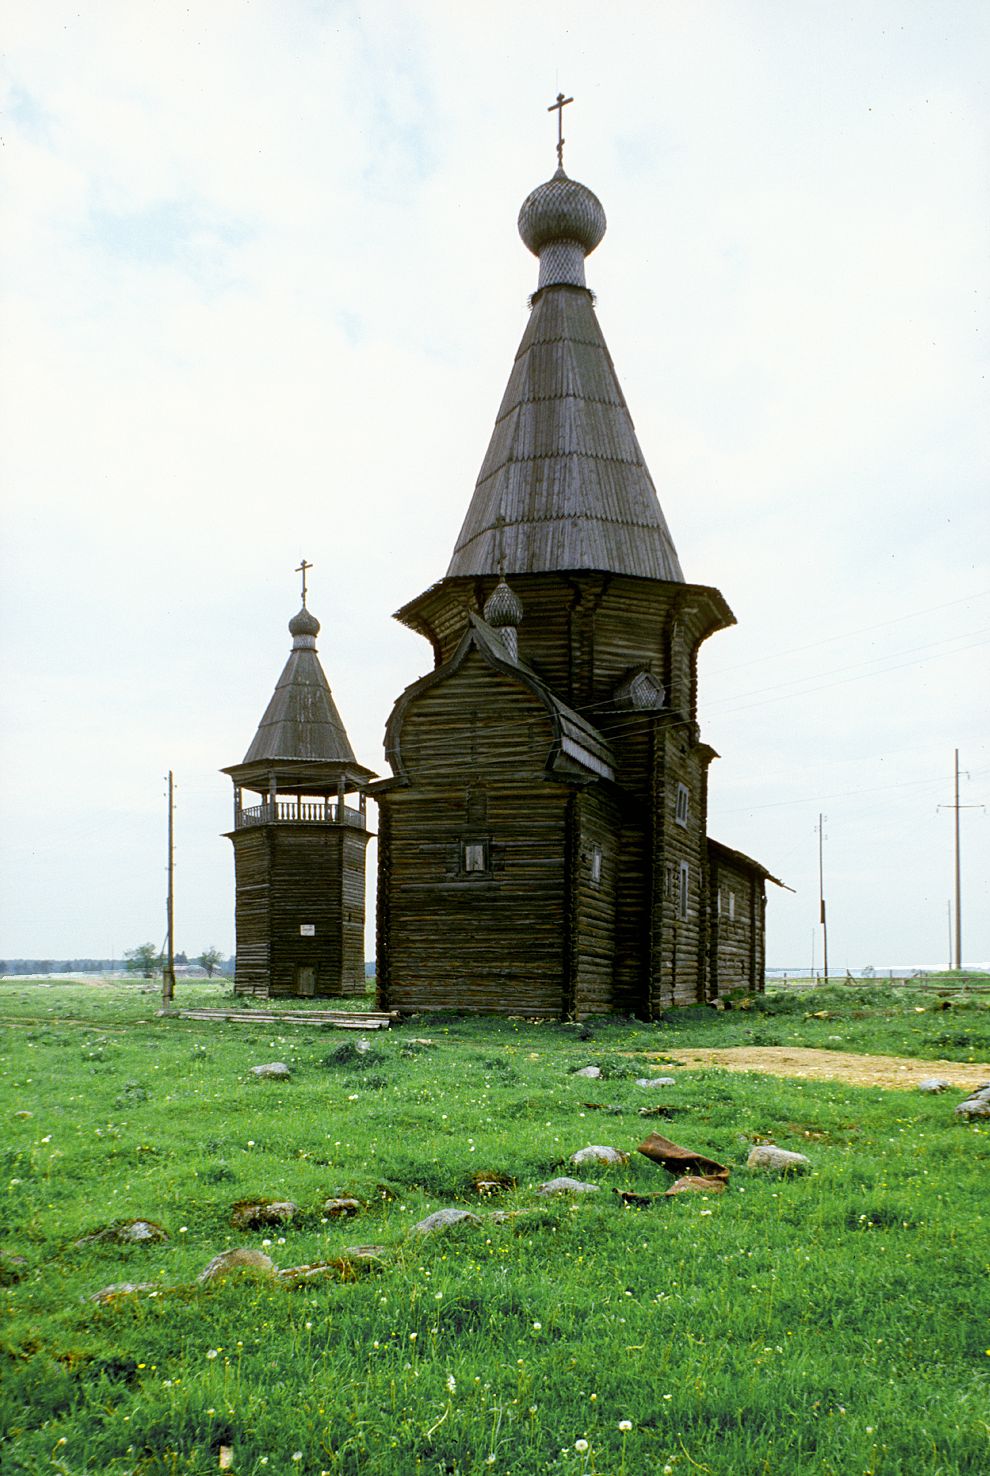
(579, 742)
(564, 484)
(745, 863)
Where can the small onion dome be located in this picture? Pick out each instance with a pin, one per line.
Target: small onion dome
(503, 607)
(304, 628)
(561, 210)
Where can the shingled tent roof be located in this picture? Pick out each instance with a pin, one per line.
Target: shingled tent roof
(301, 722)
(564, 484)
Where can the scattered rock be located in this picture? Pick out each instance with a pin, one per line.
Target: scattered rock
(503, 1217)
(257, 1214)
(597, 1153)
(277, 1069)
(24, 1113)
(933, 1084)
(697, 1184)
(592, 1072)
(777, 1160)
(443, 1219)
(242, 1259)
(656, 1081)
(489, 1182)
(127, 1232)
(123, 1289)
(974, 1107)
(339, 1207)
(566, 1186)
(369, 1253)
(12, 1267)
(362, 1046)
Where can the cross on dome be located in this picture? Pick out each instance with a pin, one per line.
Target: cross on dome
(558, 108)
(302, 570)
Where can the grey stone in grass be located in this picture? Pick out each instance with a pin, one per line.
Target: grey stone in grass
(443, 1219)
(363, 1253)
(276, 1069)
(777, 1160)
(257, 1214)
(566, 1186)
(933, 1084)
(592, 1072)
(12, 1267)
(127, 1232)
(241, 1259)
(362, 1046)
(123, 1289)
(340, 1206)
(599, 1153)
(974, 1107)
(656, 1081)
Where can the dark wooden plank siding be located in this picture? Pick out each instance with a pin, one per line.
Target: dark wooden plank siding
(598, 836)
(251, 867)
(475, 748)
(738, 901)
(288, 875)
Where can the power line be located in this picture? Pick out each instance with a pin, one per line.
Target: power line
(850, 634)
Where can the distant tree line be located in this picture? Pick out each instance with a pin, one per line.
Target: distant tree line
(144, 960)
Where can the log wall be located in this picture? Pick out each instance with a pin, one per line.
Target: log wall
(294, 874)
(474, 749)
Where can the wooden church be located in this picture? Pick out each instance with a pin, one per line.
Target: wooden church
(299, 847)
(543, 839)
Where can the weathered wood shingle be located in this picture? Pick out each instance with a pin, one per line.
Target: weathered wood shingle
(564, 484)
(301, 721)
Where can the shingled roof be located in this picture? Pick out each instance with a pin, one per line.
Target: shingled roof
(301, 722)
(564, 484)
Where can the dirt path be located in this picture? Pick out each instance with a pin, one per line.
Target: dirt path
(879, 1071)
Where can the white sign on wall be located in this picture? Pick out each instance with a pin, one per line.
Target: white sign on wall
(307, 930)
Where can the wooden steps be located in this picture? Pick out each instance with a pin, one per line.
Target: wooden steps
(340, 1019)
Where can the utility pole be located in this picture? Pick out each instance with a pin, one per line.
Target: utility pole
(956, 806)
(821, 894)
(168, 967)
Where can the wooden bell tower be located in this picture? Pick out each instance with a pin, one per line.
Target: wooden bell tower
(300, 835)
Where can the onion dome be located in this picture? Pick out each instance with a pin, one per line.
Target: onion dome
(304, 628)
(561, 222)
(503, 607)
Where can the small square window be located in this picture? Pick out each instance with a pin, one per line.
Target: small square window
(596, 866)
(683, 881)
(475, 856)
(683, 799)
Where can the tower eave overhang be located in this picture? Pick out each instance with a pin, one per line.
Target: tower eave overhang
(299, 776)
(701, 600)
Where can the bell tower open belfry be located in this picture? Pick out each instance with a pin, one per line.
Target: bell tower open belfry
(299, 852)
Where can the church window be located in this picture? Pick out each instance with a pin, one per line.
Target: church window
(474, 856)
(596, 866)
(732, 906)
(681, 811)
(683, 879)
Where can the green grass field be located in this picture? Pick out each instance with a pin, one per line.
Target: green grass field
(834, 1323)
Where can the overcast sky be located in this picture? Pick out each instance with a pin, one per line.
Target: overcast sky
(262, 289)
